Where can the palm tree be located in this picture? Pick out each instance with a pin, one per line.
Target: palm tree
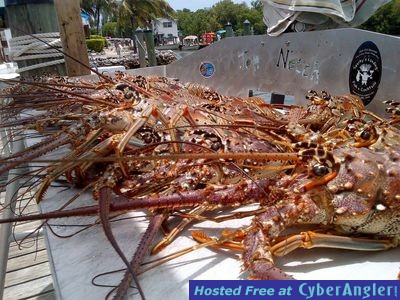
(95, 8)
(134, 13)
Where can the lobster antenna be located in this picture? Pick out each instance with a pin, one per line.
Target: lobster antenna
(104, 214)
(218, 156)
(44, 85)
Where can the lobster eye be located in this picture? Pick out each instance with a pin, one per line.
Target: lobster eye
(216, 146)
(326, 96)
(128, 95)
(121, 86)
(365, 135)
(311, 94)
(320, 170)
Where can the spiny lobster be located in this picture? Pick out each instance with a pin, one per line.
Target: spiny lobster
(190, 152)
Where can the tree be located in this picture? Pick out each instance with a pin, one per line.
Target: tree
(257, 5)
(96, 8)
(184, 21)
(196, 23)
(385, 20)
(110, 29)
(135, 13)
(216, 17)
(227, 11)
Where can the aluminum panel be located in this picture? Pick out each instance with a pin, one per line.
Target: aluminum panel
(291, 64)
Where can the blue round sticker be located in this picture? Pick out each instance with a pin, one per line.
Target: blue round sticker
(207, 69)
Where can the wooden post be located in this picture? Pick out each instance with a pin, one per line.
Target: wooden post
(140, 45)
(72, 37)
(151, 55)
(33, 17)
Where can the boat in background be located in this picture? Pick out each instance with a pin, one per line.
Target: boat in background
(168, 47)
(191, 42)
(207, 38)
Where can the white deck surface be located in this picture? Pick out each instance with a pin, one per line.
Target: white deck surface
(28, 270)
(78, 259)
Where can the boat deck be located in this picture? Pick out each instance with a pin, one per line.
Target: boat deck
(28, 270)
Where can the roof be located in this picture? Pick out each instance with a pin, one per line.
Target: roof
(191, 37)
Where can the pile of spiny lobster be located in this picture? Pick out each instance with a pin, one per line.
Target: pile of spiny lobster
(184, 151)
(131, 60)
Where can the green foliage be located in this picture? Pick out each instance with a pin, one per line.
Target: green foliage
(97, 8)
(127, 15)
(99, 37)
(196, 23)
(135, 13)
(96, 37)
(385, 20)
(216, 17)
(92, 31)
(110, 29)
(96, 44)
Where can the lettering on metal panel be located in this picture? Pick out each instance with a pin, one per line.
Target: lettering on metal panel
(283, 56)
(247, 61)
(365, 72)
(308, 70)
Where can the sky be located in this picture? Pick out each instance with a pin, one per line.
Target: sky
(194, 5)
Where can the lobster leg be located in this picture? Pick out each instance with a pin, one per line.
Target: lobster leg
(258, 260)
(201, 237)
(257, 257)
(307, 240)
(310, 239)
(171, 235)
(237, 215)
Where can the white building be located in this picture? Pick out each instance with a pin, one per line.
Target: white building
(165, 31)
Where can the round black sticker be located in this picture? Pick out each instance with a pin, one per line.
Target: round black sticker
(365, 72)
(207, 69)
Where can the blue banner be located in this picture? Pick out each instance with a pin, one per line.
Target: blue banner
(293, 289)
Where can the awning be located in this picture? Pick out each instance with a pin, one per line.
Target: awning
(190, 37)
(305, 15)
